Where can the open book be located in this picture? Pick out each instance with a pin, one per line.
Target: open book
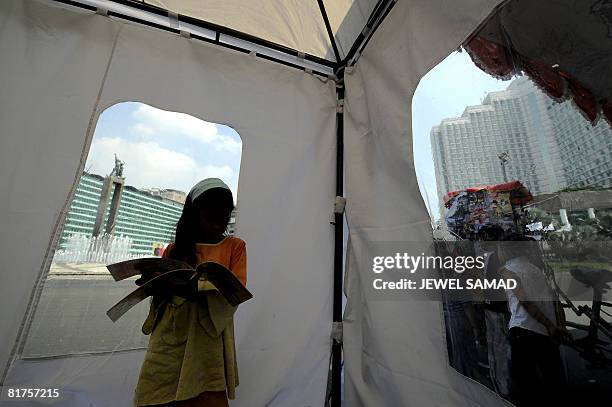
(174, 273)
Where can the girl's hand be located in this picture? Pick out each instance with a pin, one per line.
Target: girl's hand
(187, 290)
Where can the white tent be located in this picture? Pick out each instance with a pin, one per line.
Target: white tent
(272, 71)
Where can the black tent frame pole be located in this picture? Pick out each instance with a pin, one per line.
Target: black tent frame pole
(373, 30)
(217, 40)
(379, 13)
(227, 31)
(336, 357)
(330, 33)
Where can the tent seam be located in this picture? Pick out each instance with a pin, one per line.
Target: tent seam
(81, 354)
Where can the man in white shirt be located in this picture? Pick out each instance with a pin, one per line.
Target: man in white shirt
(536, 370)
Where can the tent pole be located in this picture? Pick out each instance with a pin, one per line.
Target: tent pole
(336, 359)
(224, 30)
(330, 32)
(372, 31)
(380, 12)
(219, 31)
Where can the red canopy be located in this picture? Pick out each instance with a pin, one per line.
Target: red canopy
(519, 194)
(563, 46)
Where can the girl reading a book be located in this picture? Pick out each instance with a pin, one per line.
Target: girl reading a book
(191, 358)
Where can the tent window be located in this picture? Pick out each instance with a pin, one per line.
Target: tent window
(141, 163)
(497, 159)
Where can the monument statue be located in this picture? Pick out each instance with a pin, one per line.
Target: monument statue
(118, 170)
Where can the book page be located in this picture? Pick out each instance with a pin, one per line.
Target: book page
(176, 277)
(129, 268)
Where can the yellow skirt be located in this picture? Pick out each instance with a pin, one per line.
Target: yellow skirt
(191, 350)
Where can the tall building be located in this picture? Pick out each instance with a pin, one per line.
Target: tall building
(171, 194)
(586, 150)
(550, 145)
(149, 219)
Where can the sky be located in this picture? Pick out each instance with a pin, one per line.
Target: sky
(165, 149)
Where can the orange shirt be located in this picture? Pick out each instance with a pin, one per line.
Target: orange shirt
(229, 252)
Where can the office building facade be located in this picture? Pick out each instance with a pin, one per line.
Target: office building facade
(171, 194)
(549, 145)
(147, 219)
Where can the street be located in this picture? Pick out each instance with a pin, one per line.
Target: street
(71, 315)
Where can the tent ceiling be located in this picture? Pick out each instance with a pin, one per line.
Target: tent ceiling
(347, 18)
(296, 24)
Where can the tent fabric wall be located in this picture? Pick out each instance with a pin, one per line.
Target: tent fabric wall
(45, 109)
(60, 70)
(395, 352)
(104, 380)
